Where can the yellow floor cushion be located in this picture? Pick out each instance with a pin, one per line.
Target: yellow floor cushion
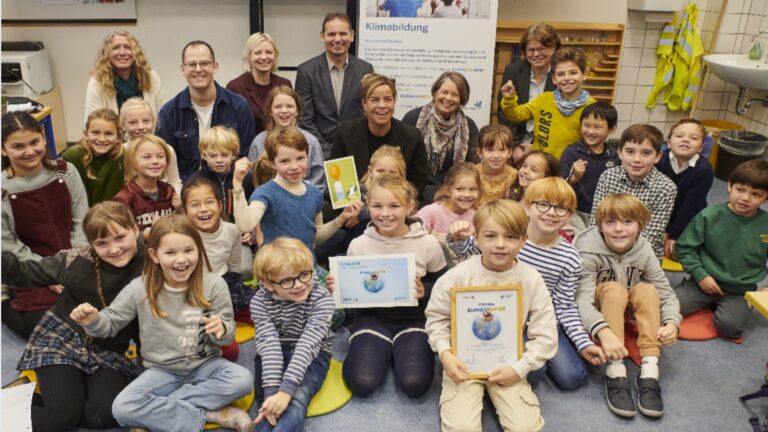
(671, 265)
(333, 395)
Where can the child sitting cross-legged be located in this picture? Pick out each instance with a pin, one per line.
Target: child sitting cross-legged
(292, 314)
(621, 271)
(720, 275)
(501, 230)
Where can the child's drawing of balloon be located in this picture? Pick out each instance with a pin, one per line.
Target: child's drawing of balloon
(335, 172)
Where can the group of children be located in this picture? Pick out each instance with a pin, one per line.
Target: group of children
(132, 268)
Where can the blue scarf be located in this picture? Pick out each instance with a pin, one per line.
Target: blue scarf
(569, 106)
(126, 89)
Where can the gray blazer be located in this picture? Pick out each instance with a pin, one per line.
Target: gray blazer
(319, 115)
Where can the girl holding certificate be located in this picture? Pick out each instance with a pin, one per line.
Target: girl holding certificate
(380, 336)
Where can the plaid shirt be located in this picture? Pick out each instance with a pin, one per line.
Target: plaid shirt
(656, 191)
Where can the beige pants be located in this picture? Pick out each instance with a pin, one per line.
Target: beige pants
(461, 406)
(612, 299)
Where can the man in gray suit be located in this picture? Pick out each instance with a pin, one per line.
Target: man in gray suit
(329, 84)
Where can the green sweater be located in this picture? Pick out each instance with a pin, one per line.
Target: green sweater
(108, 173)
(732, 249)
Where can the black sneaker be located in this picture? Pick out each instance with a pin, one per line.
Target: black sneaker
(619, 397)
(649, 397)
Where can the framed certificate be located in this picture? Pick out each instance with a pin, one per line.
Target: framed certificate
(487, 327)
(374, 280)
(343, 186)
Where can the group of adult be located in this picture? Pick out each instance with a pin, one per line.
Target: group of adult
(342, 104)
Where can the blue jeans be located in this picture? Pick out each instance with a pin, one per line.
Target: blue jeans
(294, 416)
(166, 401)
(566, 369)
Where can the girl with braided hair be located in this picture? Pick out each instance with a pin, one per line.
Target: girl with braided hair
(80, 376)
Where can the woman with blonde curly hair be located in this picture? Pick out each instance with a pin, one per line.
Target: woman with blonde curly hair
(122, 72)
(260, 56)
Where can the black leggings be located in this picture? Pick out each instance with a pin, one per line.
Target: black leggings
(22, 323)
(72, 398)
(370, 353)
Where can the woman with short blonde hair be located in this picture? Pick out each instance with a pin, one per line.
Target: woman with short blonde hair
(260, 56)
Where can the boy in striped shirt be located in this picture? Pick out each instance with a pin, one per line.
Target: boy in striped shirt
(550, 203)
(292, 314)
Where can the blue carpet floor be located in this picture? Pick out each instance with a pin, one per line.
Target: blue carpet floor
(701, 384)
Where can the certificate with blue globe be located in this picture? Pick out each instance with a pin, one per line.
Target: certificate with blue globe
(374, 280)
(486, 327)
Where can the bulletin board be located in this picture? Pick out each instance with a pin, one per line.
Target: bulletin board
(68, 11)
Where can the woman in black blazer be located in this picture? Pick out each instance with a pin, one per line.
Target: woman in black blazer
(538, 43)
(359, 138)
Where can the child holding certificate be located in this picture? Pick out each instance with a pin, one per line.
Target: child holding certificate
(292, 314)
(501, 231)
(621, 271)
(379, 335)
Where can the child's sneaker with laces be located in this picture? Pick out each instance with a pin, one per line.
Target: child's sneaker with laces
(619, 397)
(649, 397)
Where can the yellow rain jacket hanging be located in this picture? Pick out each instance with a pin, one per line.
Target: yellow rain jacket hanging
(678, 73)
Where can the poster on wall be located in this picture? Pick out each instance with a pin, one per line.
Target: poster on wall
(68, 11)
(414, 41)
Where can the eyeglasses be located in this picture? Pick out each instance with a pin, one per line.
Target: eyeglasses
(203, 64)
(544, 207)
(540, 50)
(290, 282)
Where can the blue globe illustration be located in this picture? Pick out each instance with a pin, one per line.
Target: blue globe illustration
(373, 283)
(486, 327)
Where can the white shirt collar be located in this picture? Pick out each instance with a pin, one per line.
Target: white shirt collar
(673, 161)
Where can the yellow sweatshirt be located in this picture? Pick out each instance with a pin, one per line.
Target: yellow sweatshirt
(552, 131)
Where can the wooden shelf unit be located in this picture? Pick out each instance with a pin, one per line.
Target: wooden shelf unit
(602, 43)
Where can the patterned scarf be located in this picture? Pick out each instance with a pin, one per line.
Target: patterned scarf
(440, 133)
(568, 107)
(126, 89)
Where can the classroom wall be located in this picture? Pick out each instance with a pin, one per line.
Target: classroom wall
(224, 24)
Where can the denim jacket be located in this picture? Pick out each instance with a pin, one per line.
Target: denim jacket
(177, 125)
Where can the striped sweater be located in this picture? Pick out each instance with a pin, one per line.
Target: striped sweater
(277, 321)
(560, 267)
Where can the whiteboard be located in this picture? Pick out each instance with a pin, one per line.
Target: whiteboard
(68, 11)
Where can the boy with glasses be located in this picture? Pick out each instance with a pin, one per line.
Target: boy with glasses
(200, 106)
(292, 314)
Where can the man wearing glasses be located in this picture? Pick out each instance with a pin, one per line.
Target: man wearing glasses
(200, 106)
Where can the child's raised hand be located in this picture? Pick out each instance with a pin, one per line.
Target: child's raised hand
(709, 286)
(176, 201)
(612, 346)
(350, 211)
(84, 314)
(214, 326)
(504, 376)
(460, 230)
(419, 288)
(455, 368)
(594, 355)
(273, 407)
(330, 283)
(668, 334)
(246, 238)
(242, 168)
(577, 171)
(508, 89)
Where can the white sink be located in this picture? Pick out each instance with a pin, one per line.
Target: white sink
(738, 69)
